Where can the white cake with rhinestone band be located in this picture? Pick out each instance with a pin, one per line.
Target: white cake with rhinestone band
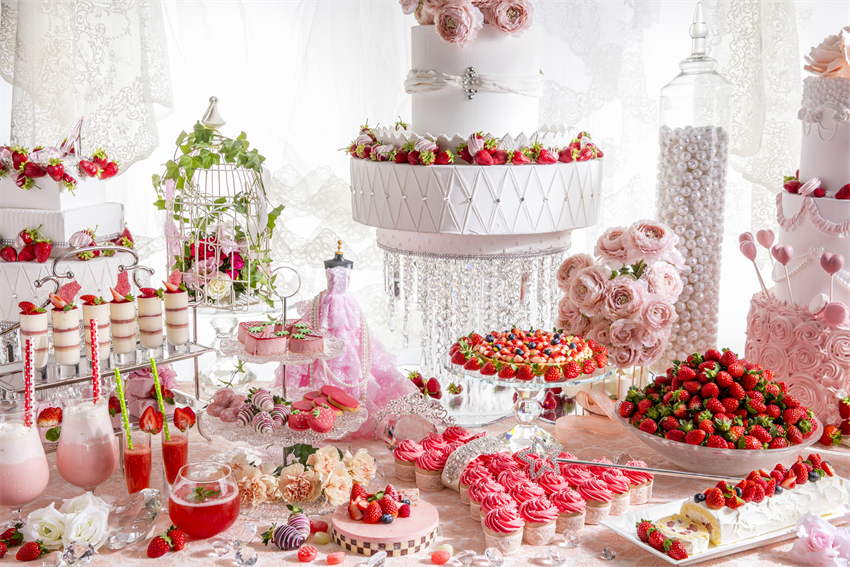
(800, 327)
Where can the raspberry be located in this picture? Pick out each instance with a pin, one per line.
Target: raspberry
(404, 511)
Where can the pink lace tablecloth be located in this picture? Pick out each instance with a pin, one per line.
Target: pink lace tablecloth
(459, 529)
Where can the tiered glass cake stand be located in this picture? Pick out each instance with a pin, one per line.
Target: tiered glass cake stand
(527, 408)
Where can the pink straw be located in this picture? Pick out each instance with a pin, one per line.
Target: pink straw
(95, 361)
(29, 382)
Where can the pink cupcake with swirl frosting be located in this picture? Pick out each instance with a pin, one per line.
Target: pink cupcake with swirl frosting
(405, 456)
(575, 475)
(540, 517)
(619, 485)
(597, 471)
(598, 499)
(503, 462)
(503, 530)
(510, 479)
(456, 433)
(429, 470)
(571, 510)
(551, 482)
(641, 483)
(471, 475)
(496, 500)
(433, 441)
(477, 494)
(527, 491)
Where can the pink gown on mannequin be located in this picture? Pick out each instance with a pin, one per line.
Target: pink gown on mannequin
(339, 315)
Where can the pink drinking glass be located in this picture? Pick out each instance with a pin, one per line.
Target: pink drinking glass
(24, 473)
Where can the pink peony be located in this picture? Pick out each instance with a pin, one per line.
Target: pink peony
(625, 357)
(511, 16)
(657, 314)
(568, 313)
(653, 239)
(820, 543)
(486, 7)
(458, 22)
(588, 288)
(663, 279)
(616, 247)
(623, 297)
(423, 16)
(651, 354)
(408, 6)
(578, 326)
(569, 268)
(600, 332)
(626, 333)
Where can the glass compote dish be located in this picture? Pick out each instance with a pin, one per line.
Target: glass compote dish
(225, 370)
(24, 472)
(204, 500)
(87, 454)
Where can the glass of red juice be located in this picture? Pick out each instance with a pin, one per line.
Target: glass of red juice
(175, 454)
(137, 461)
(204, 499)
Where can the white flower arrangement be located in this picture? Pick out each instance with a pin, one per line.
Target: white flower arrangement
(84, 517)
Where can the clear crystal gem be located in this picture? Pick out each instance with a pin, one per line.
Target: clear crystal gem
(571, 538)
(246, 556)
(494, 556)
(52, 560)
(377, 560)
(557, 555)
(222, 547)
(78, 552)
(609, 554)
(243, 533)
(465, 557)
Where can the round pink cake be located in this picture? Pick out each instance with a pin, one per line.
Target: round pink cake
(405, 536)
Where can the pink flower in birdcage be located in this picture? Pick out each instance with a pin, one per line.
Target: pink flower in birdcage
(172, 239)
(203, 249)
(206, 268)
(225, 233)
(169, 189)
(236, 263)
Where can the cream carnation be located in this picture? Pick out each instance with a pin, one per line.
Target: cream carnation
(616, 247)
(299, 485)
(459, 22)
(338, 486)
(511, 16)
(324, 460)
(360, 466)
(588, 287)
(832, 57)
(570, 267)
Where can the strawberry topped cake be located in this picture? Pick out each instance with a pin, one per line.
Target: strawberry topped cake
(122, 316)
(66, 325)
(33, 320)
(176, 309)
(526, 355)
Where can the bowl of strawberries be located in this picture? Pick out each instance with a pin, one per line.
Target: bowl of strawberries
(716, 414)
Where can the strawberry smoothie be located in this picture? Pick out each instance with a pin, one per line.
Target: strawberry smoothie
(23, 466)
(87, 453)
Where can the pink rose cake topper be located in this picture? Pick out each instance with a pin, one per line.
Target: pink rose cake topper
(459, 21)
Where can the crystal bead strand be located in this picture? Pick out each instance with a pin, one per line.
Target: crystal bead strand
(540, 297)
(409, 275)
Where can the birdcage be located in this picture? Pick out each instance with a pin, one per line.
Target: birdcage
(219, 224)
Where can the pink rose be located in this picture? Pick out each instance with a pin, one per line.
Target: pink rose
(569, 268)
(773, 358)
(616, 247)
(623, 297)
(803, 358)
(758, 327)
(653, 239)
(657, 314)
(811, 393)
(511, 16)
(626, 333)
(832, 57)
(663, 279)
(458, 22)
(600, 332)
(810, 332)
(625, 357)
(781, 330)
(423, 16)
(408, 6)
(588, 287)
(837, 347)
(830, 373)
(820, 543)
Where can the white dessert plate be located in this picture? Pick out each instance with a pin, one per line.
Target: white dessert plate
(625, 526)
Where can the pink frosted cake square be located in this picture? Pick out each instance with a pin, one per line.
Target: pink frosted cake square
(242, 333)
(265, 341)
(304, 340)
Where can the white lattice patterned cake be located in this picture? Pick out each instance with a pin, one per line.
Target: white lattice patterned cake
(509, 201)
(806, 341)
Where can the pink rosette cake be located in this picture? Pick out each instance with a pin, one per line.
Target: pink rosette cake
(503, 462)
(571, 509)
(496, 500)
(551, 482)
(456, 433)
(526, 491)
(429, 470)
(641, 484)
(472, 475)
(598, 498)
(597, 471)
(511, 479)
(503, 529)
(540, 517)
(575, 475)
(477, 494)
(433, 441)
(405, 456)
(619, 485)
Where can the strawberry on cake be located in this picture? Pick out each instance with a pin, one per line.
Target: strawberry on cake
(33, 320)
(526, 355)
(66, 325)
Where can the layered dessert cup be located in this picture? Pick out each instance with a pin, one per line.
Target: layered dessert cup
(405, 455)
(66, 336)
(618, 484)
(571, 510)
(640, 490)
(122, 316)
(598, 499)
(150, 321)
(540, 517)
(429, 471)
(503, 530)
(100, 313)
(177, 317)
(34, 327)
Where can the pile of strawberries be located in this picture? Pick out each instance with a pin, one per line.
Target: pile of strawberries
(384, 506)
(430, 387)
(425, 151)
(792, 184)
(648, 533)
(172, 539)
(28, 167)
(716, 400)
(33, 245)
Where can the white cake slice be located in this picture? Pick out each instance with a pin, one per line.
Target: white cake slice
(693, 535)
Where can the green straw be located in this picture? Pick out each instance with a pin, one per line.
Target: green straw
(159, 399)
(124, 413)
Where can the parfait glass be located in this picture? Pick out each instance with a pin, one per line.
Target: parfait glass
(204, 500)
(87, 453)
(177, 319)
(24, 473)
(137, 461)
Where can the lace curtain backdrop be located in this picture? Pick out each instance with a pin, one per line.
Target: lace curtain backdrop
(300, 77)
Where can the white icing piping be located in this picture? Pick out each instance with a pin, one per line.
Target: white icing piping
(825, 226)
(421, 82)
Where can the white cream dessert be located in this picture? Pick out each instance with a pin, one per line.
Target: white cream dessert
(66, 336)
(34, 327)
(123, 319)
(177, 317)
(693, 535)
(150, 321)
(99, 312)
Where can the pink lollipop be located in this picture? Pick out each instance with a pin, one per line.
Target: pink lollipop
(748, 249)
(783, 255)
(745, 237)
(831, 264)
(766, 238)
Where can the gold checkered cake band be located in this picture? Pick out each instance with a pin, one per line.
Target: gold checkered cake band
(397, 549)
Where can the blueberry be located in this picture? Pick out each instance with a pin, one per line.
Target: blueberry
(511, 336)
(556, 336)
(778, 490)
(814, 477)
(699, 497)
(489, 338)
(405, 501)
(497, 348)
(556, 341)
(387, 519)
(518, 351)
(572, 345)
(532, 345)
(547, 351)
(738, 491)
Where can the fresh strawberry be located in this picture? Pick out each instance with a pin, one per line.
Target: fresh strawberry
(358, 491)
(656, 539)
(508, 372)
(500, 157)
(100, 158)
(675, 435)
(546, 157)
(686, 373)
(648, 426)
(844, 408)
(88, 168)
(33, 170)
(489, 369)
(789, 483)
(3, 550)
(525, 372)
(571, 370)
(830, 436)
(728, 358)
(178, 538)
(827, 468)
(389, 506)
(445, 157)
(109, 170)
(373, 513)
(42, 251)
(642, 528)
(354, 511)
(801, 473)
(459, 358)
(27, 254)
(19, 156)
(843, 193)
(518, 158)
(707, 426)
(473, 364)
(483, 158)
(716, 442)
(27, 307)
(8, 254)
(695, 437)
(710, 390)
(184, 418)
(50, 417)
(792, 185)
(553, 374)
(31, 551)
(159, 546)
(736, 371)
(749, 443)
(761, 434)
(12, 536)
(794, 435)
(151, 421)
(675, 549)
(792, 415)
(754, 493)
(55, 169)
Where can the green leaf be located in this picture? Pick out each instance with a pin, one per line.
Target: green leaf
(52, 434)
(180, 138)
(156, 180)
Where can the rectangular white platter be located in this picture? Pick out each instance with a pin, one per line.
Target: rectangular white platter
(625, 526)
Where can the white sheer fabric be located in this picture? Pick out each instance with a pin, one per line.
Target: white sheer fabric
(300, 77)
(106, 61)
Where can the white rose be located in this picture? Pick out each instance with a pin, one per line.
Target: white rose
(832, 57)
(81, 502)
(47, 525)
(219, 288)
(91, 524)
